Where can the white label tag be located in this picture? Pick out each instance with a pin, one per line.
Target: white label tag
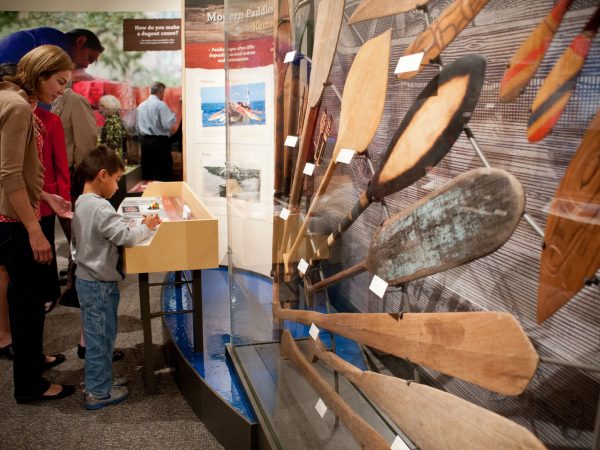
(291, 141)
(302, 266)
(186, 212)
(314, 331)
(309, 168)
(289, 56)
(409, 63)
(284, 214)
(378, 286)
(345, 156)
(321, 408)
(399, 444)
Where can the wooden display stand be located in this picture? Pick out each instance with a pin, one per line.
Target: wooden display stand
(178, 245)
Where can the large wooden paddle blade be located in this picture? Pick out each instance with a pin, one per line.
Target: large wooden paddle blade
(528, 57)
(374, 9)
(571, 251)
(442, 31)
(558, 86)
(469, 217)
(431, 126)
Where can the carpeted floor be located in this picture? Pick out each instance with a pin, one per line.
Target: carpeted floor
(160, 421)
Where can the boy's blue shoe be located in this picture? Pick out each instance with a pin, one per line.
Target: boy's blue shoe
(117, 394)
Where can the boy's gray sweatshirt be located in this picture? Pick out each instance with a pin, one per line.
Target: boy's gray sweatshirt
(97, 231)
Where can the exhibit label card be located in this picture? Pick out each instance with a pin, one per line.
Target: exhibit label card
(309, 168)
(399, 444)
(378, 286)
(409, 63)
(284, 214)
(185, 215)
(314, 331)
(345, 156)
(302, 266)
(291, 141)
(289, 56)
(321, 408)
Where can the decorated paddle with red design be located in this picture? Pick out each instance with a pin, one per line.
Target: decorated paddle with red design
(374, 9)
(558, 86)
(427, 133)
(444, 420)
(442, 32)
(528, 57)
(571, 251)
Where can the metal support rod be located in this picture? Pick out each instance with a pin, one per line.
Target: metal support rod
(336, 92)
(147, 330)
(386, 213)
(197, 316)
(356, 33)
(171, 313)
(562, 362)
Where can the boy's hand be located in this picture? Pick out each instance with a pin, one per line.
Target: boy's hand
(151, 221)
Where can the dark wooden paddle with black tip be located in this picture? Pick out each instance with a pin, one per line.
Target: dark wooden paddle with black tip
(374, 9)
(469, 217)
(427, 133)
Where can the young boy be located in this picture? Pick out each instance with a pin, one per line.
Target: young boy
(97, 231)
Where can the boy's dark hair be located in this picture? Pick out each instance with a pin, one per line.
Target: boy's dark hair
(102, 157)
(91, 40)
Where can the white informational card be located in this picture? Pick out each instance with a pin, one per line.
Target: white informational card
(345, 156)
(290, 56)
(378, 286)
(309, 168)
(399, 444)
(409, 63)
(321, 408)
(186, 212)
(291, 141)
(302, 266)
(314, 331)
(284, 214)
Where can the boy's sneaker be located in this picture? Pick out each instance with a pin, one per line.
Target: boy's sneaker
(117, 394)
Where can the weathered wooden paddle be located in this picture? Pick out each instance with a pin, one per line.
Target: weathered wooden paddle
(374, 9)
(528, 57)
(558, 86)
(442, 420)
(442, 32)
(467, 218)
(428, 131)
(489, 349)
(364, 434)
(571, 251)
(362, 109)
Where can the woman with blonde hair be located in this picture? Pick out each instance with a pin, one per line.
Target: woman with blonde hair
(41, 75)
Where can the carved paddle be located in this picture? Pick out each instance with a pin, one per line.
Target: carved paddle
(442, 32)
(558, 86)
(364, 434)
(467, 218)
(374, 9)
(362, 109)
(489, 349)
(428, 131)
(443, 420)
(571, 251)
(528, 57)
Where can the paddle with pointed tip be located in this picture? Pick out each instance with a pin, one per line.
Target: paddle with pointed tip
(364, 434)
(362, 109)
(428, 131)
(571, 252)
(374, 9)
(444, 420)
(489, 349)
(558, 86)
(528, 57)
(442, 32)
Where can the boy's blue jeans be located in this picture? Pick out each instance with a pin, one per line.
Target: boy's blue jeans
(99, 302)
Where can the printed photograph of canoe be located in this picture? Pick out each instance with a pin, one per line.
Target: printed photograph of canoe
(246, 105)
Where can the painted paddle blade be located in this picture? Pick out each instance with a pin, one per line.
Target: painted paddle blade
(374, 9)
(468, 218)
(443, 420)
(442, 31)
(528, 57)
(571, 251)
(558, 86)
(364, 434)
(489, 349)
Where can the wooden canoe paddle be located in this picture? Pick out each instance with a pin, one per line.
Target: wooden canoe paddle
(467, 218)
(442, 32)
(558, 86)
(571, 251)
(364, 434)
(443, 420)
(374, 9)
(362, 109)
(428, 131)
(489, 349)
(528, 57)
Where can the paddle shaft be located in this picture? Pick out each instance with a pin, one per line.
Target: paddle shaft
(374, 9)
(309, 122)
(341, 275)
